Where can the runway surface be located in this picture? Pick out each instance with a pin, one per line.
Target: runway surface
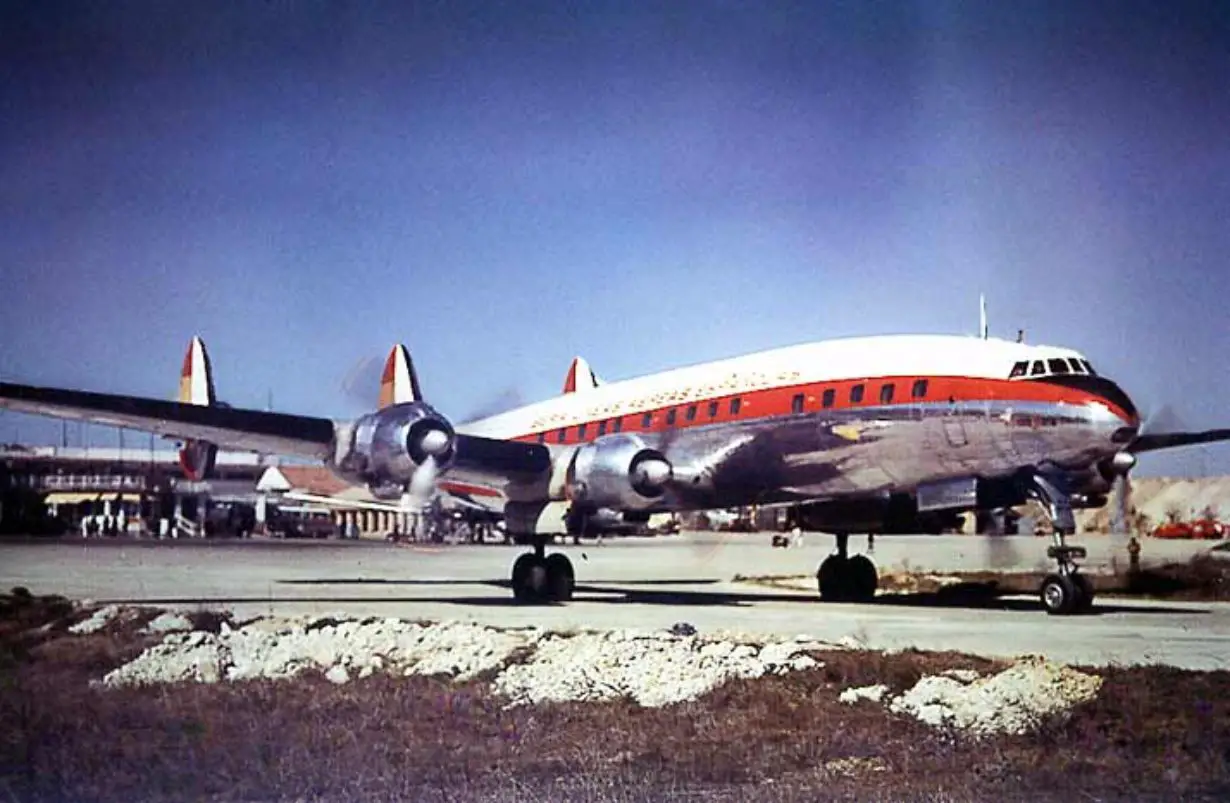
(634, 583)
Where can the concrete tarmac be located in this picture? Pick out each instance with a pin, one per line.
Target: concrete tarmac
(639, 584)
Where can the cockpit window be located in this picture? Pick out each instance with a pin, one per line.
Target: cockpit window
(1019, 369)
(1058, 366)
(1077, 368)
(1089, 368)
(1038, 368)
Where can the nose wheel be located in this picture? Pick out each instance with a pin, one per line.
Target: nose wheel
(540, 578)
(1066, 591)
(846, 578)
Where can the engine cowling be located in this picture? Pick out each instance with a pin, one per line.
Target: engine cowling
(197, 459)
(385, 448)
(620, 472)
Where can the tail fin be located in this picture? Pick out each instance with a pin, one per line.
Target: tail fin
(399, 383)
(196, 386)
(580, 377)
(196, 381)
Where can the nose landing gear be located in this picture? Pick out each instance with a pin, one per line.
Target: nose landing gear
(843, 578)
(1065, 591)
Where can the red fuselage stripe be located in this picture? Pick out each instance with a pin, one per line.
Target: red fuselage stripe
(781, 401)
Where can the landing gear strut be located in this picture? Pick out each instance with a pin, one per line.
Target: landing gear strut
(1065, 591)
(843, 578)
(538, 577)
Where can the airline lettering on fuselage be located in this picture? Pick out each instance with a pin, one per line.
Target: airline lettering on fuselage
(735, 383)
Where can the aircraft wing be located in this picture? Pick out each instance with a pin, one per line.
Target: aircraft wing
(1148, 443)
(230, 428)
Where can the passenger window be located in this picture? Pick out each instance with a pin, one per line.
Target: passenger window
(828, 398)
(1057, 366)
(919, 390)
(670, 417)
(618, 425)
(856, 394)
(601, 428)
(735, 404)
(713, 408)
(692, 412)
(1089, 368)
(1019, 369)
(886, 393)
(1077, 368)
(562, 435)
(1038, 368)
(542, 437)
(581, 432)
(796, 404)
(647, 421)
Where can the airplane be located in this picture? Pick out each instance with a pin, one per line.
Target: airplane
(879, 434)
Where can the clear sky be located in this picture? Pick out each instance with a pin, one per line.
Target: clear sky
(504, 185)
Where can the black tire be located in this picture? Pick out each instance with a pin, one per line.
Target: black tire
(561, 580)
(1084, 602)
(862, 578)
(833, 577)
(527, 584)
(1060, 594)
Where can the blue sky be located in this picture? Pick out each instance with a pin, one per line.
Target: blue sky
(504, 185)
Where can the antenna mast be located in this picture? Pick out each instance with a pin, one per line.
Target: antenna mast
(982, 316)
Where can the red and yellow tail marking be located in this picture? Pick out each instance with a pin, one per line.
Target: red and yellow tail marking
(398, 383)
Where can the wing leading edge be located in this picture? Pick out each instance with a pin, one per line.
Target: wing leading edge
(242, 430)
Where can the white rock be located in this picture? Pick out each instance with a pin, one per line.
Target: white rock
(169, 622)
(97, 621)
(338, 675)
(963, 675)
(873, 693)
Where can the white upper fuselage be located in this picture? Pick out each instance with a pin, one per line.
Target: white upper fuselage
(806, 364)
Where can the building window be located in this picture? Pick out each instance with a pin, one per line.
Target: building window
(919, 391)
(581, 432)
(670, 417)
(829, 397)
(692, 413)
(1038, 368)
(562, 436)
(601, 428)
(1019, 369)
(856, 394)
(1057, 366)
(713, 408)
(619, 425)
(886, 393)
(647, 421)
(735, 404)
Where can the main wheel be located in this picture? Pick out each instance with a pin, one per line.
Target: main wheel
(1084, 602)
(833, 578)
(862, 578)
(1060, 594)
(529, 579)
(560, 578)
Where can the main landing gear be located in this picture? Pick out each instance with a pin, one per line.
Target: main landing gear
(1066, 591)
(843, 578)
(538, 577)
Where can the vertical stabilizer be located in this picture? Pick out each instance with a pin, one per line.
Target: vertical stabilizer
(399, 384)
(580, 377)
(196, 381)
(196, 386)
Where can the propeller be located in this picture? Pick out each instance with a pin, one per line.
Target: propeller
(1119, 468)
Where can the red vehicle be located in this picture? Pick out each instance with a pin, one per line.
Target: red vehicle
(1201, 529)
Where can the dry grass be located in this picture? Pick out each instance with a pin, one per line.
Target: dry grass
(1153, 734)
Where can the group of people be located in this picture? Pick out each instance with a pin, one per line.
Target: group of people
(105, 525)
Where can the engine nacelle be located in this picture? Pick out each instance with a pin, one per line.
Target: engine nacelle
(618, 471)
(385, 448)
(197, 459)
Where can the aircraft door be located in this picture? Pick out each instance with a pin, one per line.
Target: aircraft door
(954, 427)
